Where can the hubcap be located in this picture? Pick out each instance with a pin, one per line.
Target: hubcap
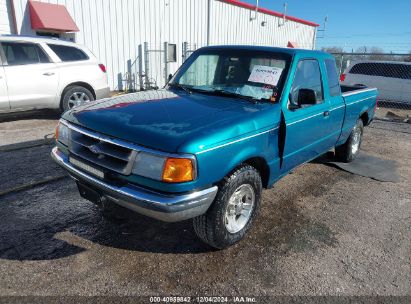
(239, 208)
(355, 146)
(78, 98)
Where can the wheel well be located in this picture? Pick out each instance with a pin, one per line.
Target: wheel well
(260, 164)
(365, 119)
(80, 84)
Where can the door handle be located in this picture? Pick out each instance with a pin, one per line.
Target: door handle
(326, 113)
(48, 74)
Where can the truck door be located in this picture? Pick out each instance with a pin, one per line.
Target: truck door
(32, 80)
(306, 115)
(337, 103)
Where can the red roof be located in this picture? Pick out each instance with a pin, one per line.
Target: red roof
(292, 44)
(269, 12)
(54, 17)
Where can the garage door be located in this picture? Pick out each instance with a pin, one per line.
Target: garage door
(5, 19)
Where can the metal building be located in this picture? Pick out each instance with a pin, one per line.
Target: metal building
(142, 41)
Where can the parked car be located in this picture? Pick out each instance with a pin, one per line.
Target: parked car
(39, 73)
(393, 79)
(232, 121)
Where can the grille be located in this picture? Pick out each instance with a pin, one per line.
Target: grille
(101, 152)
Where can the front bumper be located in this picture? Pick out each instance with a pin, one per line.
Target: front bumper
(102, 93)
(164, 207)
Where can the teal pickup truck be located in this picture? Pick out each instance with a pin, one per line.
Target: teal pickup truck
(232, 121)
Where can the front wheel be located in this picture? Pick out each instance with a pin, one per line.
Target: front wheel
(350, 150)
(232, 213)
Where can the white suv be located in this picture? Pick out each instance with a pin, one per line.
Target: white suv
(38, 73)
(391, 78)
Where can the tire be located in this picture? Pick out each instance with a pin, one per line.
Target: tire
(350, 150)
(68, 100)
(213, 227)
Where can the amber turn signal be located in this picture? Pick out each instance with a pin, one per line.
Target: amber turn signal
(56, 133)
(178, 170)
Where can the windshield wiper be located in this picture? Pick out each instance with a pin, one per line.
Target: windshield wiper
(180, 86)
(229, 94)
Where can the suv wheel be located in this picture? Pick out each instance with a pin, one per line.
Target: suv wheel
(350, 150)
(232, 213)
(75, 96)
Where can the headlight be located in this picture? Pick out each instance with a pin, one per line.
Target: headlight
(62, 133)
(162, 168)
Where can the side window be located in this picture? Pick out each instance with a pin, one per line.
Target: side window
(361, 68)
(388, 70)
(408, 73)
(42, 55)
(307, 77)
(333, 81)
(23, 53)
(68, 53)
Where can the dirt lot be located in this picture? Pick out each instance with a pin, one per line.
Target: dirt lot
(321, 231)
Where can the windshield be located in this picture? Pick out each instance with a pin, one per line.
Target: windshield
(257, 75)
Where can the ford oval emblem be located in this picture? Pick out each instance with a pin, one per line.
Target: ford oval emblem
(95, 149)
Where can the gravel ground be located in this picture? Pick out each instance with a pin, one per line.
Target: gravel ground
(321, 231)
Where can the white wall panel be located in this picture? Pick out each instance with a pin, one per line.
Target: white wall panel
(114, 29)
(5, 18)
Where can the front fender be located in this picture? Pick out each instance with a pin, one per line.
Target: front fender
(216, 163)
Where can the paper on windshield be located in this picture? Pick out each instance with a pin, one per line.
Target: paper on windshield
(265, 74)
(256, 92)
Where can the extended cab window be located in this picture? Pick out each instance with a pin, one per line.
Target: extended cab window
(307, 79)
(68, 53)
(333, 80)
(23, 53)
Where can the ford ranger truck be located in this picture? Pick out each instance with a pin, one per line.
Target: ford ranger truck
(231, 122)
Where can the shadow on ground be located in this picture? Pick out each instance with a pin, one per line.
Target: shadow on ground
(29, 115)
(30, 220)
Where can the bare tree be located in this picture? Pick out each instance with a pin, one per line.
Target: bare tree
(332, 49)
(362, 49)
(377, 54)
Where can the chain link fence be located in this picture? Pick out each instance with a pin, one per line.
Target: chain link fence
(389, 73)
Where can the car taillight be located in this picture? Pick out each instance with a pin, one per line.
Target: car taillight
(342, 77)
(102, 68)
(376, 104)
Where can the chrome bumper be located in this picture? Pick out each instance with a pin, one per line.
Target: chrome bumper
(102, 93)
(164, 207)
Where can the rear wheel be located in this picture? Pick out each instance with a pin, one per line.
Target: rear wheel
(350, 150)
(75, 96)
(232, 213)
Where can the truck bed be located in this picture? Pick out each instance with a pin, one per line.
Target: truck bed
(346, 89)
(360, 101)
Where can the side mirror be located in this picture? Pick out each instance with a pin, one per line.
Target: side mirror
(306, 97)
(170, 76)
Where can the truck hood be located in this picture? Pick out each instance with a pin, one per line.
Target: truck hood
(174, 122)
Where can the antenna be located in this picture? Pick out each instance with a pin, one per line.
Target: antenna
(324, 28)
(255, 11)
(284, 15)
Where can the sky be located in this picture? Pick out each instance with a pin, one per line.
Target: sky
(354, 23)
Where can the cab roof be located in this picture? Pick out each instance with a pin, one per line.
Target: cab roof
(289, 51)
